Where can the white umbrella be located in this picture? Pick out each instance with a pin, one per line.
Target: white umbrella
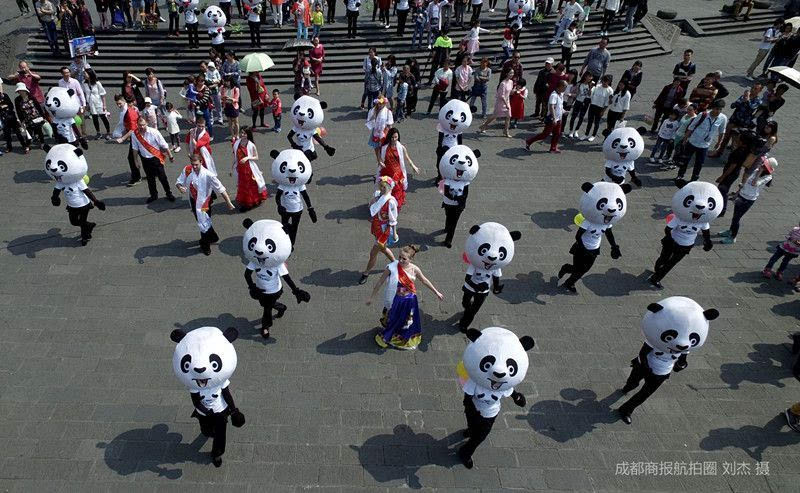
(255, 62)
(794, 21)
(787, 74)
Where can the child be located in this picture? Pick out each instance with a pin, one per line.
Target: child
(507, 45)
(402, 92)
(149, 113)
(317, 20)
(307, 85)
(277, 109)
(789, 249)
(665, 142)
(517, 100)
(691, 112)
(600, 101)
(587, 8)
(173, 129)
(190, 95)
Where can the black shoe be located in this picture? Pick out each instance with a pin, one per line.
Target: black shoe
(84, 241)
(151, 199)
(280, 308)
(570, 288)
(217, 461)
(467, 461)
(171, 198)
(447, 244)
(206, 249)
(626, 418)
(466, 433)
(564, 270)
(91, 228)
(462, 328)
(655, 282)
(796, 343)
(133, 182)
(363, 279)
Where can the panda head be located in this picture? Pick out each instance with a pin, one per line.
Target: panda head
(604, 202)
(65, 163)
(623, 144)
(490, 246)
(307, 112)
(676, 324)
(62, 102)
(188, 4)
(455, 117)
(204, 357)
(697, 202)
(514, 6)
(496, 358)
(290, 167)
(266, 243)
(459, 163)
(213, 16)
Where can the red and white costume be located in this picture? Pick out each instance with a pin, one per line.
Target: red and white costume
(202, 147)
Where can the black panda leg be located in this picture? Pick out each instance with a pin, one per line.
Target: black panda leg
(582, 262)
(651, 383)
(451, 216)
(472, 303)
(220, 424)
(478, 429)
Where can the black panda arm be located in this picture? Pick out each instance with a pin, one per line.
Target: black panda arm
(497, 288)
(55, 199)
(226, 394)
(681, 363)
(278, 195)
(707, 243)
(248, 277)
(306, 199)
(579, 234)
(611, 240)
(449, 194)
(197, 402)
(477, 287)
(97, 202)
(611, 175)
(643, 352)
(237, 418)
(459, 139)
(439, 141)
(462, 200)
(518, 398)
(328, 149)
(635, 179)
(290, 137)
(297, 292)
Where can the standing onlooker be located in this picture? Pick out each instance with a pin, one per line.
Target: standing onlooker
(402, 8)
(540, 88)
(254, 25)
(402, 94)
(609, 12)
(66, 81)
(102, 12)
(601, 98)
(768, 39)
(440, 53)
(570, 13)
(620, 104)
(96, 101)
(442, 80)
(8, 117)
(462, 79)
(480, 85)
(517, 101)
(502, 102)
(789, 250)
(154, 89)
(30, 113)
(568, 44)
(47, 15)
(685, 70)
(23, 7)
(331, 11)
(130, 88)
(258, 96)
(31, 80)
(597, 60)
(383, 12)
(229, 95)
(784, 49)
(173, 128)
(276, 106)
(633, 77)
(704, 94)
(191, 22)
(707, 125)
(174, 19)
(514, 65)
(316, 56)
(302, 17)
(666, 139)
(669, 95)
(583, 100)
(352, 17)
(317, 21)
(230, 69)
(373, 82)
(213, 82)
(69, 24)
(420, 17)
(752, 184)
(128, 116)
(741, 119)
(552, 123)
(204, 103)
(630, 15)
(477, 5)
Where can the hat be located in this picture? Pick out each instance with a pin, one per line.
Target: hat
(549, 60)
(388, 180)
(770, 164)
(211, 65)
(148, 100)
(21, 87)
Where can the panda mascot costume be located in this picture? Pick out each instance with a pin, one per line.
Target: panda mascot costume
(66, 164)
(494, 362)
(671, 328)
(518, 10)
(63, 105)
(292, 171)
(189, 10)
(602, 205)
(622, 147)
(455, 117)
(267, 247)
(204, 360)
(214, 19)
(458, 167)
(307, 116)
(489, 248)
(694, 207)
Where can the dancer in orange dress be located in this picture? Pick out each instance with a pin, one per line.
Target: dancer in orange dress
(394, 157)
(251, 189)
(383, 209)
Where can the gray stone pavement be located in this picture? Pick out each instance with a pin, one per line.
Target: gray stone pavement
(89, 402)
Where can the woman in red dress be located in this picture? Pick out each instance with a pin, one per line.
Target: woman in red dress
(517, 99)
(258, 96)
(394, 157)
(317, 56)
(251, 189)
(383, 210)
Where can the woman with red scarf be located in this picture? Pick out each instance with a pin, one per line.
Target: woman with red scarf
(394, 157)
(383, 209)
(258, 96)
(401, 317)
(251, 189)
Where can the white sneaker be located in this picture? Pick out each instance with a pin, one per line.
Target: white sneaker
(429, 46)
(177, 149)
(652, 160)
(553, 43)
(491, 10)
(626, 30)
(660, 161)
(591, 139)
(577, 135)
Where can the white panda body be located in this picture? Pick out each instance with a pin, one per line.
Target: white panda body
(602, 205)
(214, 19)
(189, 7)
(307, 115)
(517, 10)
(66, 164)
(292, 170)
(694, 206)
(489, 247)
(63, 105)
(267, 247)
(455, 117)
(458, 167)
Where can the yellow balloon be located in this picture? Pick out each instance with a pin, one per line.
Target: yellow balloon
(578, 220)
(85, 179)
(78, 120)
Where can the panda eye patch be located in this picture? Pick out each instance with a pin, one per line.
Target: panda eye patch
(483, 249)
(283, 167)
(694, 339)
(463, 117)
(601, 204)
(56, 102)
(216, 362)
(251, 244)
(296, 110)
(469, 161)
(669, 335)
(631, 143)
(62, 165)
(620, 205)
(449, 114)
(301, 167)
(487, 362)
(186, 363)
(688, 200)
(310, 113)
(503, 253)
(270, 246)
(512, 367)
(711, 203)
(615, 143)
(453, 160)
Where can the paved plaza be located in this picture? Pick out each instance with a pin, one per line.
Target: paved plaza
(89, 401)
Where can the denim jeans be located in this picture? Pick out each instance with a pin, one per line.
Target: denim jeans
(302, 30)
(479, 91)
(209, 122)
(787, 257)
(663, 147)
(419, 32)
(629, 17)
(740, 208)
(401, 109)
(52, 36)
(315, 31)
(277, 122)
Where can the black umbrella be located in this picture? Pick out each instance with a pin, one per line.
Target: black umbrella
(297, 45)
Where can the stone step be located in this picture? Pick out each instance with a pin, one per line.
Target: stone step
(725, 24)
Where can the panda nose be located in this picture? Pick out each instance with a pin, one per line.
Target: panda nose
(499, 375)
(491, 258)
(200, 370)
(292, 171)
(611, 210)
(699, 206)
(681, 348)
(259, 253)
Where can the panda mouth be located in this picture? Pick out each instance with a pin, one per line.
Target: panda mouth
(697, 215)
(623, 155)
(488, 265)
(201, 382)
(607, 219)
(292, 179)
(459, 173)
(453, 126)
(495, 385)
(301, 122)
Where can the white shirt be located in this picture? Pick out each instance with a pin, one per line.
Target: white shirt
(353, 5)
(292, 198)
(189, 16)
(570, 10)
(612, 5)
(487, 401)
(569, 38)
(253, 16)
(661, 363)
(481, 275)
(203, 183)
(73, 192)
(685, 233)
(601, 96)
(212, 398)
(593, 235)
(704, 129)
(153, 137)
(268, 280)
(668, 129)
(402, 5)
(75, 86)
(770, 33)
(477, 2)
(95, 94)
(754, 184)
(172, 122)
(456, 189)
(556, 100)
(304, 139)
(620, 102)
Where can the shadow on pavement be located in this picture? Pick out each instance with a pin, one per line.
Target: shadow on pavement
(528, 287)
(763, 286)
(329, 279)
(753, 440)
(560, 219)
(769, 364)
(175, 248)
(575, 416)
(358, 212)
(30, 245)
(32, 176)
(344, 181)
(616, 283)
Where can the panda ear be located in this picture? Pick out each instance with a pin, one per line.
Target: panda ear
(231, 334)
(655, 307)
(177, 334)
(586, 187)
(473, 334)
(516, 235)
(477, 152)
(474, 229)
(323, 105)
(680, 183)
(473, 108)
(273, 153)
(626, 188)
(527, 342)
(71, 92)
(247, 223)
(711, 314)
(46, 147)
(78, 151)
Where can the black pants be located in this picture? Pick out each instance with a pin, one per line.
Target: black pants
(442, 98)
(472, 302)
(661, 115)
(612, 119)
(582, 261)
(79, 216)
(540, 108)
(96, 122)
(411, 100)
(214, 426)
(671, 254)
(740, 208)
(258, 113)
(451, 215)
(226, 9)
(269, 301)
(174, 23)
(210, 236)
(578, 112)
(476, 12)
(608, 16)
(13, 125)
(255, 33)
(689, 151)
(352, 23)
(651, 383)
(153, 170)
(566, 55)
(595, 114)
(780, 252)
(402, 15)
(36, 132)
(477, 426)
(291, 221)
(331, 12)
(194, 40)
(383, 16)
(136, 174)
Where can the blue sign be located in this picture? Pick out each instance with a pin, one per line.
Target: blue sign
(81, 46)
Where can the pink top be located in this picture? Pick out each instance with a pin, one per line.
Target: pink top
(792, 243)
(502, 107)
(233, 94)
